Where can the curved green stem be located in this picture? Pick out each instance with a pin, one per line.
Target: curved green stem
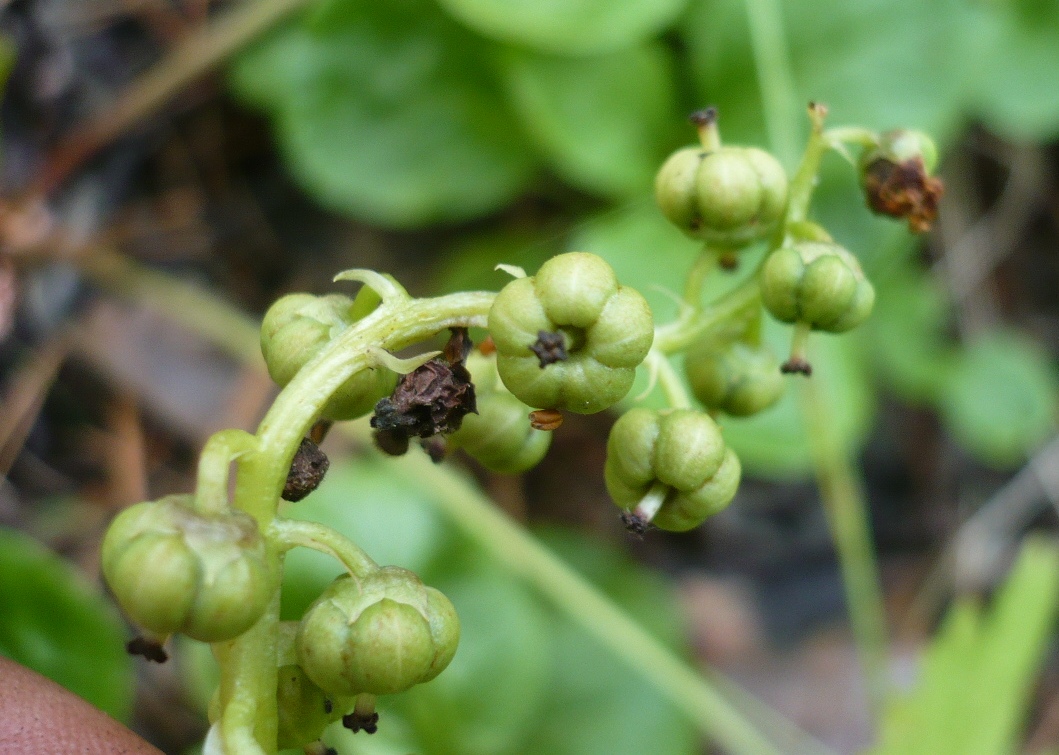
(728, 316)
(803, 184)
(211, 486)
(290, 533)
(651, 503)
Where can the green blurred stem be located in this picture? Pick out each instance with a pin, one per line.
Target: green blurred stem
(848, 517)
(211, 486)
(734, 729)
(803, 184)
(672, 386)
(772, 60)
(704, 265)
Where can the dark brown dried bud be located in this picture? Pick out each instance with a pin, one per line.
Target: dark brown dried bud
(487, 346)
(796, 365)
(149, 649)
(549, 348)
(903, 190)
(635, 524)
(307, 471)
(361, 722)
(432, 399)
(703, 117)
(546, 419)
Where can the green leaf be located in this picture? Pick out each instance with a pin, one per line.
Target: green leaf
(606, 121)
(631, 718)
(876, 63)
(55, 622)
(977, 674)
(366, 502)
(907, 332)
(1016, 57)
(388, 113)
(471, 265)
(571, 27)
(999, 400)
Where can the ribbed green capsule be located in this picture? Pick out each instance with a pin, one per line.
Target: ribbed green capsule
(379, 634)
(500, 435)
(605, 330)
(174, 569)
(817, 283)
(736, 378)
(680, 449)
(728, 197)
(295, 329)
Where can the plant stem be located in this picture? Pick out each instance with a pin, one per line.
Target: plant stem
(847, 512)
(199, 52)
(670, 382)
(289, 533)
(704, 265)
(739, 725)
(711, 710)
(772, 61)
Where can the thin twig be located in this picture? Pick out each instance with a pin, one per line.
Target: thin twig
(196, 55)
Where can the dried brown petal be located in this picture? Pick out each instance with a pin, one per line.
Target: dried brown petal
(903, 190)
(549, 348)
(307, 471)
(361, 722)
(149, 649)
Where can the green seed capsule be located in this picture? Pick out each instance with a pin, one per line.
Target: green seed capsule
(571, 336)
(680, 451)
(304, 710)
(174, 569)
(729, 197)
(379, 634)
(294, 331)
(500, 436)
(820, 284)
(738, 379)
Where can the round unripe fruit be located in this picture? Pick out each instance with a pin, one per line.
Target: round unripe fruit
(380, 634)
(570, 337)
(174, 569)
(729, 197)
(737, 379)
(295, 329)
(681, 449)
(500, 435)
(817, 283)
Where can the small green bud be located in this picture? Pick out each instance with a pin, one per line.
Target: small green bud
(174, 569)
(379, 634)
(729, 197)
(736, 378)
(304, 710)
(295, 329)
(820, 284)
(570, 337)
(680, 449)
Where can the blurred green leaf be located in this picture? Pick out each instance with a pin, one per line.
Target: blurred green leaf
(471, 265)
(978, 672)
(1016, 57)
(999, 399)
(366, 502)
(868, 61)
(605, 121)
(388, 113)
(55, 622)
(574, 27)
(907, 332)
(631, 718)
